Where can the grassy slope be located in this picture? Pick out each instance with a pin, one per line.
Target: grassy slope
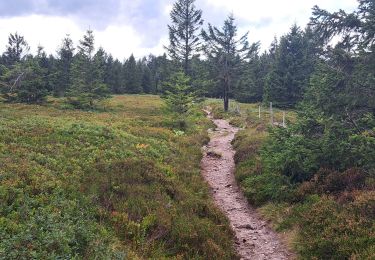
(113, 184)
(317, 226)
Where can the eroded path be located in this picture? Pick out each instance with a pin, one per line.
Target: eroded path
(254, 239)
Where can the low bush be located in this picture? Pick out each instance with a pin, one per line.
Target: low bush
(259, 185)
(112, 184)
(329, 230)
(333, 182)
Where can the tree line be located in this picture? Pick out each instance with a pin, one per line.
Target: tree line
(81, 73)
(218, 62)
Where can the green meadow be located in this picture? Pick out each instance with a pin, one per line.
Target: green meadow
(120, 182)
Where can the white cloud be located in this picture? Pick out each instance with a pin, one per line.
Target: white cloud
(119, 40)
(268, 18)
(263, 18)
(37, 29)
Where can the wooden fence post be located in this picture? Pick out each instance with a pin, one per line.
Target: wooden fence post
(259, 112)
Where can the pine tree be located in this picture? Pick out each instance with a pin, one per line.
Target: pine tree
(184, 33)
(226, 52)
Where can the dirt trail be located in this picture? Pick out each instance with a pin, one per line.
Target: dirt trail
(254, 239)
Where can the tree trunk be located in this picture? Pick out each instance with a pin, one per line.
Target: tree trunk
(186, 54)
(186, 66)
(226, 103)
(226, 95)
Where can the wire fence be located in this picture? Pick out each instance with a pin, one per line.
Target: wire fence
(275, 117)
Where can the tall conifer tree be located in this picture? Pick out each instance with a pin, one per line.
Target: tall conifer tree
(64, 66)
(291, 69)
(226, 51)
(133, 78)
(184, 33)
(16, 49)
(87, 74)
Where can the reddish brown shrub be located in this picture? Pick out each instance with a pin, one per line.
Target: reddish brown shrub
(332, 182)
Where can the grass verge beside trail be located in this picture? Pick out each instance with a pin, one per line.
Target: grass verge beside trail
(119, 183)
(329, 217)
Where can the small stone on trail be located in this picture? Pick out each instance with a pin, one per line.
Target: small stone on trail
(248, 226)
(228, 186)
(244, 240)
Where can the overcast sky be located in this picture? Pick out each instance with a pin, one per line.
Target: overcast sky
(123, 27)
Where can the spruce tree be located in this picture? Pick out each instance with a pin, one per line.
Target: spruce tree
(201, 80)
(113, 75)
(178, 97)
(82, 66)
(250, 84)
(294, 60)
(132, 75)
(17, 47)
(24, 82)
(226, 52)
(45, 66)
(99, 67)
(87, 75)
(64, 66)
(116, 77)
(24, 79)
(343, 86)
(184, 35)
(161, 68)
(146, 79)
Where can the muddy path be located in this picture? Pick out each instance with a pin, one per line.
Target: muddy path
(253, 238)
